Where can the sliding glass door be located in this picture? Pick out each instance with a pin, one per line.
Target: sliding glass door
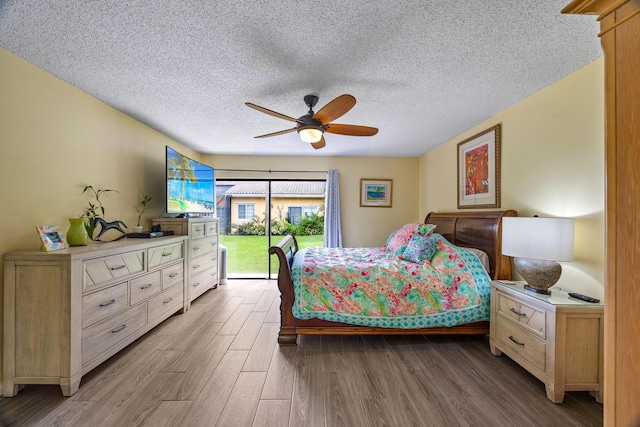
(245, 207)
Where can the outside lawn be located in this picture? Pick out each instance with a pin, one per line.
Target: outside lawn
(248, 254)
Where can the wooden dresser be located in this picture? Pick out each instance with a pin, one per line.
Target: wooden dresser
(201, 252)
(559, 339)
(67, 311)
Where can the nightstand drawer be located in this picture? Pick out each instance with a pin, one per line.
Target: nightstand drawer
(528, 316)
(516, 340)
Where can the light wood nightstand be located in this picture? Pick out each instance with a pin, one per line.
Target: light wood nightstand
(556, 338)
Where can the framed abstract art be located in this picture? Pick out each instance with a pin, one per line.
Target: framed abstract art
(479, 170)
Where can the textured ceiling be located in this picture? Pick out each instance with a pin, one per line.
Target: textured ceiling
(422, 71)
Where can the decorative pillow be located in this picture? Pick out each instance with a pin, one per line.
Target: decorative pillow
(399, 239)
(386, 244)
(420, 248)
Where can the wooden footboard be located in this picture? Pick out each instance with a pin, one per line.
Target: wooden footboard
(481, 229)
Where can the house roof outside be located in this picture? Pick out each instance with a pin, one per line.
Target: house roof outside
(279, 189)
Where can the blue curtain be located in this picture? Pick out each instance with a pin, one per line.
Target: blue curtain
(332, 228)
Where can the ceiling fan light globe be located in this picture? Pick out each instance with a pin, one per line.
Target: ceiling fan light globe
(310, 135)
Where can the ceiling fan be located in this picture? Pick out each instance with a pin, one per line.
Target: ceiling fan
(312, 126)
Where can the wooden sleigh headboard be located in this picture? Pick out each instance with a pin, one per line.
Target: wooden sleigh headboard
(481, 230)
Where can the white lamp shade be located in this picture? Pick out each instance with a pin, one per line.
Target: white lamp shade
(538, 238)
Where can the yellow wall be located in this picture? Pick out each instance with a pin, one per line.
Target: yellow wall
(361, 226)
(56, 139)
(552, 165)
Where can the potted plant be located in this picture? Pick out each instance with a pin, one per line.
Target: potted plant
(143, 201)
(95, 209)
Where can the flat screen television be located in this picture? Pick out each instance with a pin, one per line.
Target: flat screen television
(190, 186)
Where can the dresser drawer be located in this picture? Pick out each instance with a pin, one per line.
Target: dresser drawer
(164, 254)
(145, 286)
(211, 228)
(102, 304)
(166, 303)
(100, 271)
(528, 316)
(198, 229)
(515, 339)
(203, 281)
(172, 275)
(203, 262)
(102, 336)
(204, 245)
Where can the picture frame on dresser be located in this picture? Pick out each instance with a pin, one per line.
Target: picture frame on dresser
(479, 170)
(51, 237)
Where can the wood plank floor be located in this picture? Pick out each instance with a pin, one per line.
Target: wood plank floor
(219, 365)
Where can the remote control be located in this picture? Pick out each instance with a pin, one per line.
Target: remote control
(583, 297)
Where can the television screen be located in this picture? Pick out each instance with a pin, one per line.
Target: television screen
(190, 185)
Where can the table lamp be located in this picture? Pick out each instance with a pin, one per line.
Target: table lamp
(536, 245)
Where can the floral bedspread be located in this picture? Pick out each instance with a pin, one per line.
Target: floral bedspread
(372, 287)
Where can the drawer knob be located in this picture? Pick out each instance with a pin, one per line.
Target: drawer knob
(195, 285)
(120, 267)
(168, 301)
(515, 340)
(169, 254)
(104, 304)
(173, 275)
(196, 248)
(513, 310)
(147, 286)
(119, 328)
(196, 266)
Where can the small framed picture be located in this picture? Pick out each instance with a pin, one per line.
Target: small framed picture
(375, 192)
(479, 170)
(52, 238)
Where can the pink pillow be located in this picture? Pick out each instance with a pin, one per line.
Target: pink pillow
(400, 238)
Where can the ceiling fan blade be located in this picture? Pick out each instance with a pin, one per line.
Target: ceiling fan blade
(351, 130)
(282, 132)
(334, 109)
(318, 144)
(272, 113)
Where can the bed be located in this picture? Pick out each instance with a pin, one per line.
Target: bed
(480, 230)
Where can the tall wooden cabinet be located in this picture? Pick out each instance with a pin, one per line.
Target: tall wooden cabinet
(201, 253)
(620, 38)
(67, 311)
